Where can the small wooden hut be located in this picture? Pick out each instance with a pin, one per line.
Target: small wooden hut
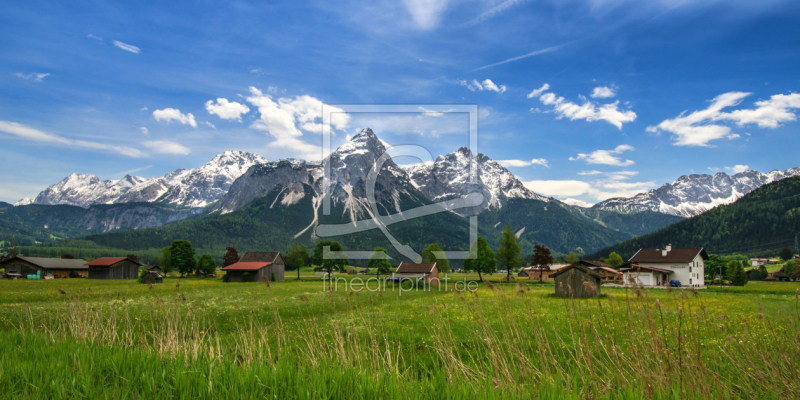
(257, 264)
(577, 281)
(152, 277)
(113, 268)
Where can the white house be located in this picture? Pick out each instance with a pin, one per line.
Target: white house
(656, 267)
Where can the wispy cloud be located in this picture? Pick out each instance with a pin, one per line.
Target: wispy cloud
(127, 47)
(90, 36)
(27, 133)
(173, 114)
(167, 147)
(523, 163)
(487, 84)
(494, 11)
(606, 157)
(738, 168)
(698, 128)
(588, 111)
(608, 185)
(426, 13)
(517, 58)
(145, 131)
(539, 91)
(34, 76)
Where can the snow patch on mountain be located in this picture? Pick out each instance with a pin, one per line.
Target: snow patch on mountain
(695, 194)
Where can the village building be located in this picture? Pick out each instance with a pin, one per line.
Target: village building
(406, 271)
(152, 268)
(537, 273)
(757, 262)
(577, 281)
(778, 276)
(609, 273)
(257, 265)
(657, 267)
(113, 268)
(152, 277)
(21, 267)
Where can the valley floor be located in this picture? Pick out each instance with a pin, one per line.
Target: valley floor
(202, 338)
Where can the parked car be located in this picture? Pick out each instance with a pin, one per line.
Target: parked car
(675, 283)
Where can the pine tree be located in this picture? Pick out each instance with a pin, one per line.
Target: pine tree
(736, 273)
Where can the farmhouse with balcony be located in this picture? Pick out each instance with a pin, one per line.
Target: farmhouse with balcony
(656, 267)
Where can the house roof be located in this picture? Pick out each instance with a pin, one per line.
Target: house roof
(579, 267)
(246, 266)
(415, 268)
(607, 269)
(260, 256)
(636, 267)
(109, 261)
(51, 263)
(553, 267)
(149, 267)
(779, 274)
(596, 263)
(673, 256)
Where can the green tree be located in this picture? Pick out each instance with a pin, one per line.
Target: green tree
(328, 264)
(786, 253)
(231, 256)
(206, 264)
(481, 260)
(165, 260)
(715, 266)
(736, 273)
(429, 256)
(614, 260)
(508, 255)
(182, 256)
(297, 257)
(571, 258)
(378, 261)
(762, 273)
(542, 259)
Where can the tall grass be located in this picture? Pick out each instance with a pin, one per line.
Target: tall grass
(497, 342)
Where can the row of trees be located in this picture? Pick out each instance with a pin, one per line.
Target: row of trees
(180, 256)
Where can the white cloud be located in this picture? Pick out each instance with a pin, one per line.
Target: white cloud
(227, 109)
(432, 113)
(537, 92)
(567, 188)
(285, 119)
(209, 124)
(27, 133)
(167, 147)
(576, 202)
(592, 172)
(713, 169)
(487, 84)
(426, 13)
(738, 168)
(34, 76)
(173, 114)
(145, 131)
(605, 157)
(143, 109)
(523, 163)
(90, 36)
(588, 111)
(698, 128)
(603, 92)
(127, 47)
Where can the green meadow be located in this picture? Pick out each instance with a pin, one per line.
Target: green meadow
(204, 339)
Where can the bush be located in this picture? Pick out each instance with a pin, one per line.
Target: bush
(74, 274)
(225, 278)
(142, 273)
(272, 279)
(247, 277)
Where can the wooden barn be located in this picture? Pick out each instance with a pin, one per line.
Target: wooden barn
(113, 268)
(258, 264)
(152, 268)
(577, 281)
(20, 267)
(416, 271)
(609, 273)
(152, 277)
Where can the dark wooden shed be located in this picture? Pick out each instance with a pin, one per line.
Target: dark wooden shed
(152, 277)
(113, 268)
(258, 264)
(577, 281)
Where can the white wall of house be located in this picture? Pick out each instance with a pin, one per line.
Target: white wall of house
(690, 273)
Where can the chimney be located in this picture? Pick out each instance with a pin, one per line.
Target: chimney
(669, 247)
(664, 252)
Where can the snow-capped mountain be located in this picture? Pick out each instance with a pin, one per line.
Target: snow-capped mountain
(694, 194)
(449, 177)
(183, 187)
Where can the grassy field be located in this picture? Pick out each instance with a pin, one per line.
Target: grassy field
(201, 338)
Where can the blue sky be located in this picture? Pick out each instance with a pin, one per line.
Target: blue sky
(582, 99)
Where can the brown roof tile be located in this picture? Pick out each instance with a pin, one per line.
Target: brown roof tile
(674, 255)
(415, 268)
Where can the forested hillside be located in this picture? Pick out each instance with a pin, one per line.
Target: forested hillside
(763, 220)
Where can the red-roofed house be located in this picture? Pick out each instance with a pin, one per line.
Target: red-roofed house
(113, 268)
(257, 264)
